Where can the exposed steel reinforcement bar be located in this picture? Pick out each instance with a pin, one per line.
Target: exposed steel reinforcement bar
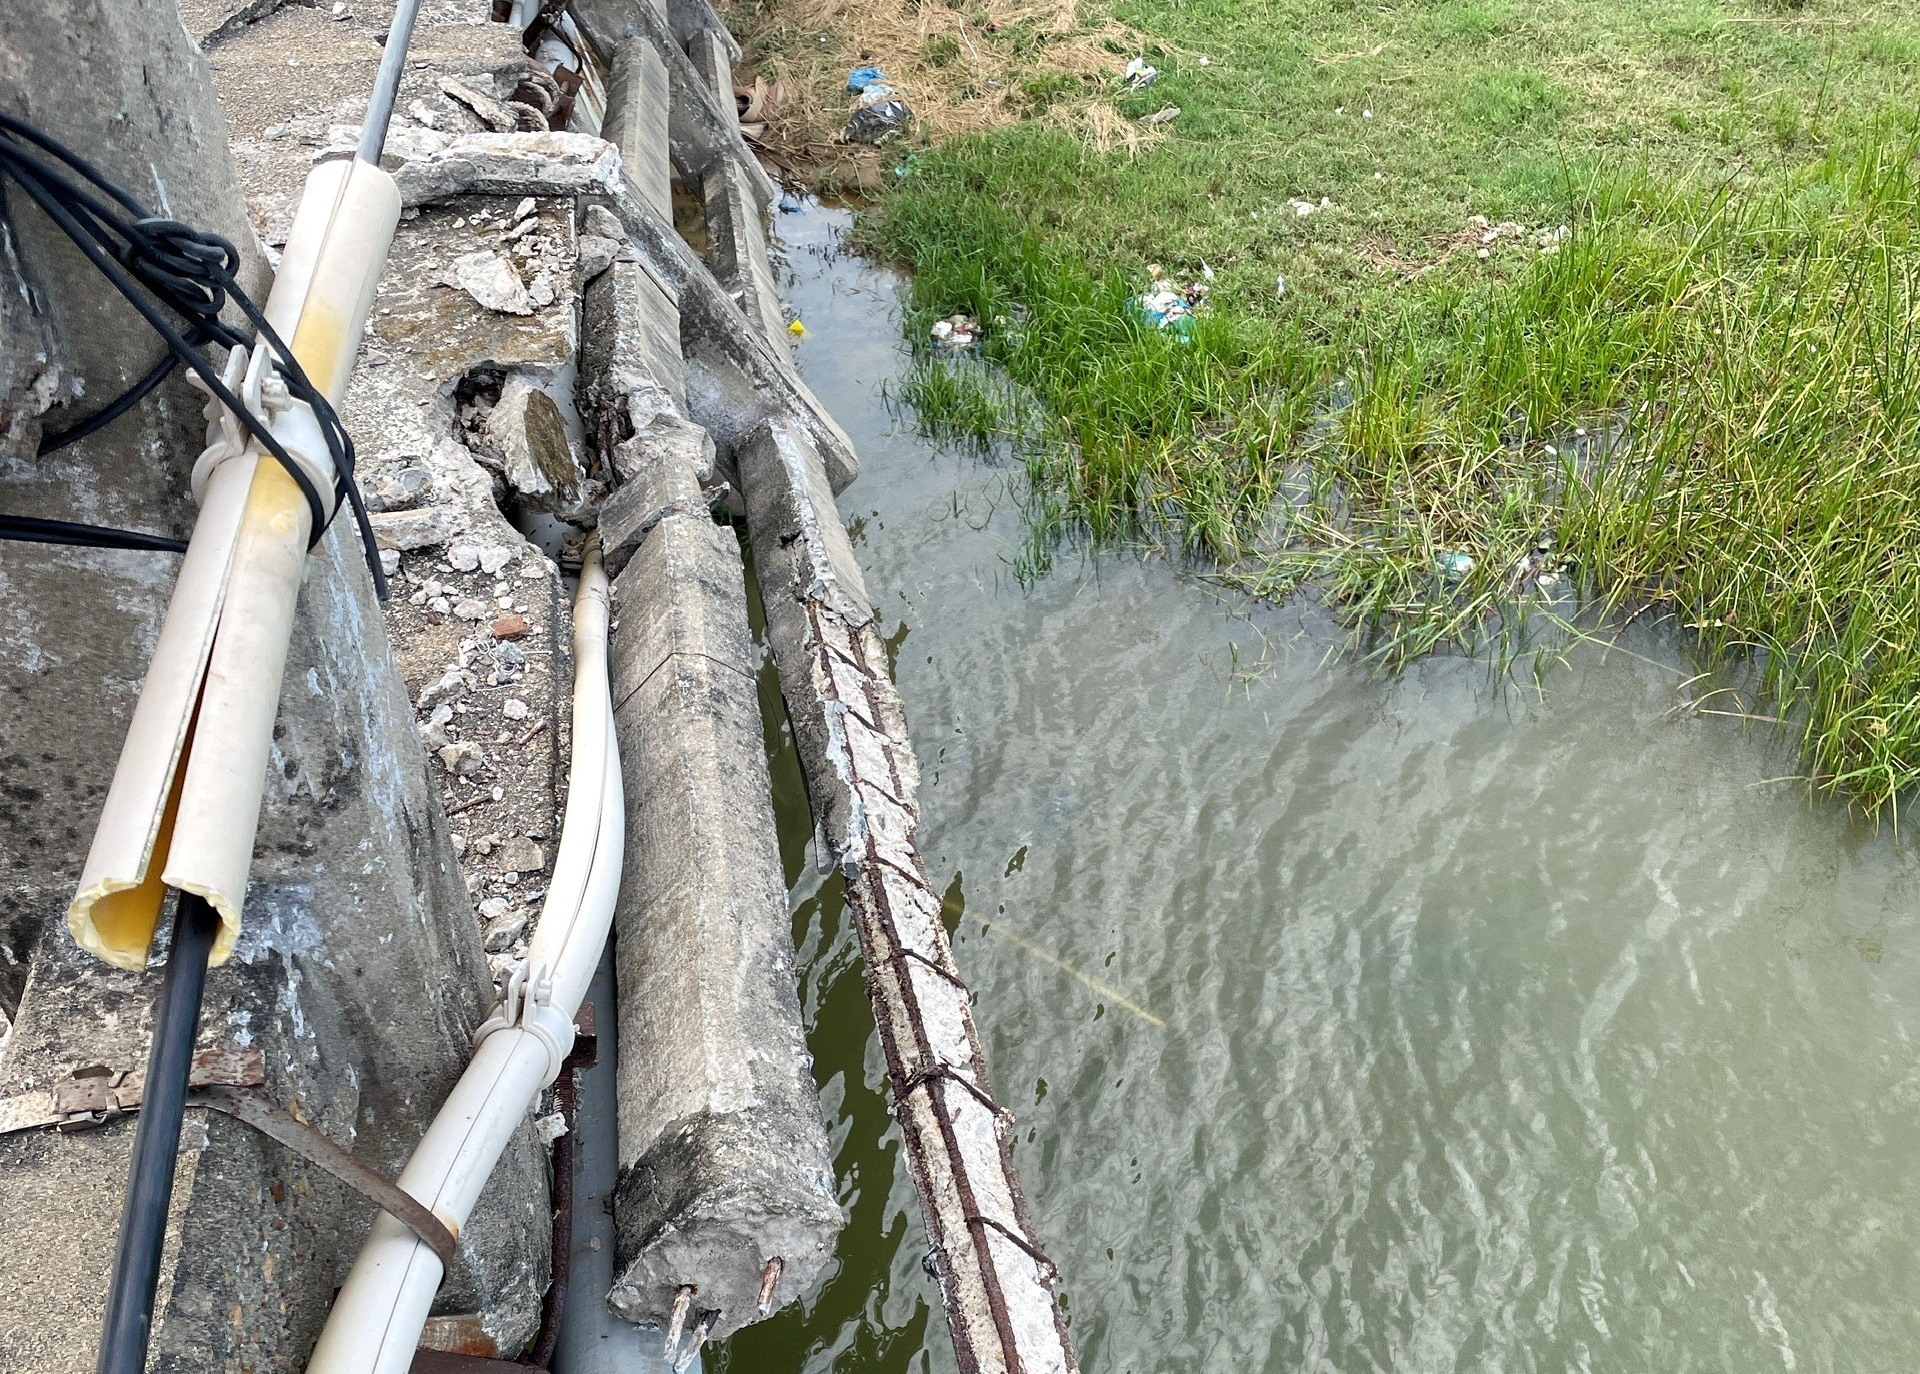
(995, 1280)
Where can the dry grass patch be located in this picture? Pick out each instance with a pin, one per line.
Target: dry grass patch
(966, 66)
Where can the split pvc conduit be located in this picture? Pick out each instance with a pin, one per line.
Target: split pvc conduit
(377, 1318)
(184, 804)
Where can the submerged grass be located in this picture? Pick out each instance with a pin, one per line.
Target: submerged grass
(1704, 398)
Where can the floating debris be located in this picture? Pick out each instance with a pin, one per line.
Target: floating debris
(797, 330)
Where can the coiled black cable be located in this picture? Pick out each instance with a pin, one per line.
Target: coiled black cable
(162, 266)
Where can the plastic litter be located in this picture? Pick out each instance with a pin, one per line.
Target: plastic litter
(862, 77)
(1166, 116)
(956, 333)
(790, 204)
(878, 123)
(1139, 75)
(798, 330)
(1167, 306)
(1452, 564)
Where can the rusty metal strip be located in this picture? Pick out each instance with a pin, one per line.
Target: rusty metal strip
(943, 1117)
(277, 1123)
(94, 1094)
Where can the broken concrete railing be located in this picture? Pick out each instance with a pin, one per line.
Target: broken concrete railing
(737, 378)
(996, 1283)
(725, 1180)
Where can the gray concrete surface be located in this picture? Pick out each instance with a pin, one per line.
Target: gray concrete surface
(724, 1162)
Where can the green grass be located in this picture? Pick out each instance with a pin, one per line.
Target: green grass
(1729, 325)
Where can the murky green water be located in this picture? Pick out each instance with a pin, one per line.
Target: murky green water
(1357, 1023)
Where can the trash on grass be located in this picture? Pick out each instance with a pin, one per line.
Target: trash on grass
(1165, 116)
(1139, 75)
(878, 123)
(956, 332)
(1452, 564)
(1166, 306)
(862, 77)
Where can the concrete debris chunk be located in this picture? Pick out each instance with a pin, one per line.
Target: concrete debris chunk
(506, 929)
(417, 529)
(522, 855)
(597, 254)
(602, 223)
(463, 759)
(495, 114)
(491, 280)
(450, 686)
(529, 435)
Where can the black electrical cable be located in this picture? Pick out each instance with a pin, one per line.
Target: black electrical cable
(160, 266)
(32, 529)
(156, 1141)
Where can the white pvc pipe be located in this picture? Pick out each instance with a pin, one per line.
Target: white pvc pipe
(185, 799)
(377, 1318)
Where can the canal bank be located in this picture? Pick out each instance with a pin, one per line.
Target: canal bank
(1499, 1032)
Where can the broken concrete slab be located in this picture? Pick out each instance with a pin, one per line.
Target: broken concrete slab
(724, 1159)
(996, 1286)
(745, 378)
(737, 252)
(631, 360)
(661, 471)
(692, 18)
(529, 434)
(703, 125)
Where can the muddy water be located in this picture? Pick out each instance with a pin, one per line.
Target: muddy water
(1356, 1023)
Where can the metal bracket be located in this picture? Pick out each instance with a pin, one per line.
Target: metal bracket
(225, 1080)
(94, 1094)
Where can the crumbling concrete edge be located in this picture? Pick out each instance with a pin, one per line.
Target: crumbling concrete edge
(751, 381)
(995, 1281)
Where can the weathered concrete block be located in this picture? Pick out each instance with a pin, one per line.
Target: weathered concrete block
(724, 1158)
(737, 251)
(660, 477)
(693, 18)
(631, 355)
(702, 125)
(636, 121)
